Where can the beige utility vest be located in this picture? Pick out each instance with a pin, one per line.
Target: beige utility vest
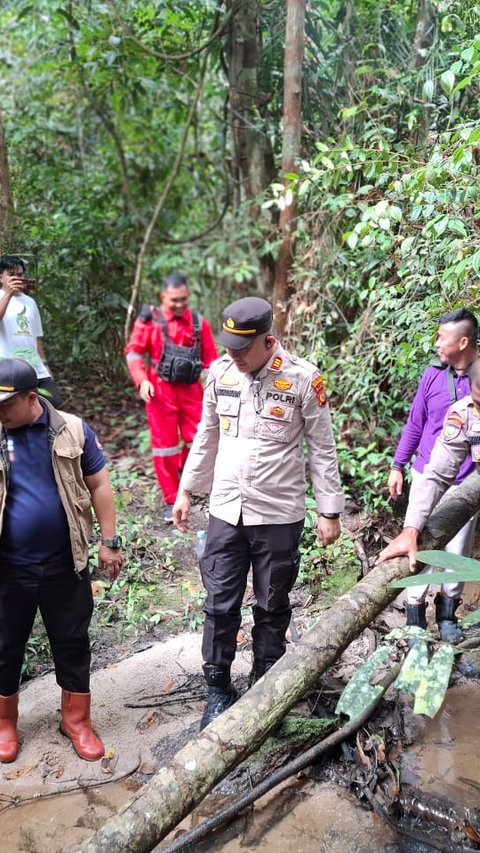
(66, 441)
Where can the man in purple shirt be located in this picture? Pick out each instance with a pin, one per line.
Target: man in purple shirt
(441, 384)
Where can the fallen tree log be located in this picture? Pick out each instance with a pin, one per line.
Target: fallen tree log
(305, 759)
(180, 785)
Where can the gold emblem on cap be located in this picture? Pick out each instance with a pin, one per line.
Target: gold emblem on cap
(230, 323)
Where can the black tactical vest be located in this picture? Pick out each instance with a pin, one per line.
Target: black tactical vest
(178, 364)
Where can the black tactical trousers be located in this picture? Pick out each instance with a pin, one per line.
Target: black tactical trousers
(66, 604)
(272, 552)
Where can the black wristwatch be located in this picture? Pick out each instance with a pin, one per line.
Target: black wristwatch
(330, 514)
(115, 542)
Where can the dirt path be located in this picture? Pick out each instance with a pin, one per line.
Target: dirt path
(137, 740)
(51, 801)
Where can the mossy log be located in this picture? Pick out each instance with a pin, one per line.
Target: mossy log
(184, 781)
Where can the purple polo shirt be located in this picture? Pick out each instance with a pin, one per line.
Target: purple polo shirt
(425, 419)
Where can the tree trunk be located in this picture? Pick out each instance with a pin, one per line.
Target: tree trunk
(424, 33)
(180, 785)
(292, 135)
(6, 206)
(423, 42)
(253, 166)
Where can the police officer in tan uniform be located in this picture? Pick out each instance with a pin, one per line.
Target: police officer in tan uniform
(459, 439)
(260, 403)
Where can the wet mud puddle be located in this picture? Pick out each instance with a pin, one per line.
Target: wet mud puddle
(324, 818)
(301, 815)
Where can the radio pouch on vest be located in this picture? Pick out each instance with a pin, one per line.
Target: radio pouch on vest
(179, 364)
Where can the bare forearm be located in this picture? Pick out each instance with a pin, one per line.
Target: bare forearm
(103, 502)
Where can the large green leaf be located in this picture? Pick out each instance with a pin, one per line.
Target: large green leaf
(445, 560)
(433, 685)
(359, 693)
(460, 569)
(409, 632)
(413, 669)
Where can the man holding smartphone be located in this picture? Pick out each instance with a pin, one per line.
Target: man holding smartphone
(21, 331)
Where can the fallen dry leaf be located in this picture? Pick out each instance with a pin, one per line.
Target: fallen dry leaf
(58, 772)
(18, 772)
(106, 767)
(149, 722)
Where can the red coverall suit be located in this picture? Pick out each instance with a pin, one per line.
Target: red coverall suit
(175, 409)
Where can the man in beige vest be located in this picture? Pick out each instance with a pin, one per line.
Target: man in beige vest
(52, 472)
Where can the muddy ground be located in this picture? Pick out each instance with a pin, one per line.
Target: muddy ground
(147, 700)
(148, 704)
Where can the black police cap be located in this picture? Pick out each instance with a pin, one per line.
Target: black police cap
(244, 320)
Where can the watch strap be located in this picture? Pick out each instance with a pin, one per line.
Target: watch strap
(115, 542)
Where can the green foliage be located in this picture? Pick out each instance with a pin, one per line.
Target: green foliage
(95, 98)
(433, 684)
(460, 569)
(93, 121)
(425, 679)
(414, 665)
(388, 232)
(359, 693)
(362, 470)
(332, 570)
(150, 589)
(37, 651)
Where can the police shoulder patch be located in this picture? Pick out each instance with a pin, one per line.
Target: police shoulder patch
(452, 426)
(276, 363)
(318, 386)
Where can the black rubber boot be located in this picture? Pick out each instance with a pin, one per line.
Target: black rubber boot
(445, 608)
(259, 668)
(416, 615)
(221, 692)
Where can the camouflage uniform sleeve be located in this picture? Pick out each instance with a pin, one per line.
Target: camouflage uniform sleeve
(449, 451)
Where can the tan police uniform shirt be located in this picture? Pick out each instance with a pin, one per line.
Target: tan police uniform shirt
(248, 449)
(460, 437)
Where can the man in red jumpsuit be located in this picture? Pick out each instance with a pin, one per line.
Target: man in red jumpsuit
(179, 344)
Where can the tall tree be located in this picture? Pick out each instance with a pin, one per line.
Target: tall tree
(292, 100)
(253, 163)
(6, 206)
